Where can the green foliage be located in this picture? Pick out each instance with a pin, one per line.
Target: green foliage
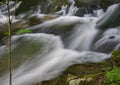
(53, 1)
(116, 53)
(7, 33)
(116, 57)
(1, 3)
(22, 31)
(113, 76)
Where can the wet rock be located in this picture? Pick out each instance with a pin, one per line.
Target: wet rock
(107, 43)
(110, 31)
(82, 74)
(84, 3)
(117, 47)
(80, 12)
(44, 6)
(26, 5)
(39, 18)
(110, 18)
(107, 40)
(104, 4)
(74, 80)
(55, 26)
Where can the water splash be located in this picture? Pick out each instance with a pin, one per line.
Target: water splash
(46, 64)
(42, 56)
(83, 35)
(68, 10)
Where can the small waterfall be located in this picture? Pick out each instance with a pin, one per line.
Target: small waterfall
(3, 8)
(112, 15)
(38, 10)
(68, 11)
(57, 41)
(47, 61)
(62, 11)
(99, 12)
(83, 36)
(72, 9)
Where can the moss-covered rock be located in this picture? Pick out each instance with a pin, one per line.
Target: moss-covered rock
(87, 74)
(116, 57)
(39, 18)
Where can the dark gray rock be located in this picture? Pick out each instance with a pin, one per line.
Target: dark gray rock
(27, 5)
(107, 40)
(110, 19)
(117, 47)
(107, 43)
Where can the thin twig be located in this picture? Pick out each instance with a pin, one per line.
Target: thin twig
(9, 44)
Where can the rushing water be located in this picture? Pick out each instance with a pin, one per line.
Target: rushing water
(55, 45)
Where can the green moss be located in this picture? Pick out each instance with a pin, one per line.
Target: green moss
(1, 3)
(116, 53)
(113, 77)
(96, 71)
(116, 58)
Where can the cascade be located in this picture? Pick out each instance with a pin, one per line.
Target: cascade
(57, 41)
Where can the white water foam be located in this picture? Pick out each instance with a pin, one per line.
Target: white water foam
(46, 64)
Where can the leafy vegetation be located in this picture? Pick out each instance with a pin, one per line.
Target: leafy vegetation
(22, 31)
(1, 3)
(113, 76)
(116, 53)
(116, 58)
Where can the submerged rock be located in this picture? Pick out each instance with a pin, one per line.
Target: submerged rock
(107, 44)
(108, 41)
